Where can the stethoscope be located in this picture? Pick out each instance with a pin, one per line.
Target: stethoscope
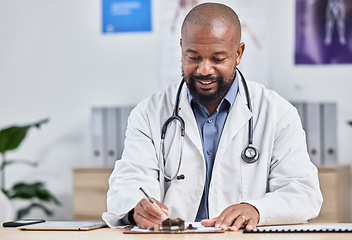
(249, 154)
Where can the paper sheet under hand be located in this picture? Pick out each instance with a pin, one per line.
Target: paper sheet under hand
(200, 229)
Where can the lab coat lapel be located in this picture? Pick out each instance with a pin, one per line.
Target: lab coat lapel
(238, 117)
(186, 112)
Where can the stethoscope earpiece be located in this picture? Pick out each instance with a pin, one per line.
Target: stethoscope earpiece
(179, 177)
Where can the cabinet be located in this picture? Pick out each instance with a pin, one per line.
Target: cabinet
(91, 186)
(335, 185)
(89, 194)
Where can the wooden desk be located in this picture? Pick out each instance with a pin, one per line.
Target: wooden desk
(109, 234)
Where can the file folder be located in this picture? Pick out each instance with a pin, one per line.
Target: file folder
(300, 109)
(329, 133)
(319, 120)
(109, 126)
(312, 123)
(112, 136)
(98, 136)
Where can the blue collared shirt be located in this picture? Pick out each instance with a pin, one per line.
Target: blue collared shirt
(210, 128)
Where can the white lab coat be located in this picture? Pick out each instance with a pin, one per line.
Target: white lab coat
(283, 184)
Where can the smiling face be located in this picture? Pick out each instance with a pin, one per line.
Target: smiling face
(209, 57)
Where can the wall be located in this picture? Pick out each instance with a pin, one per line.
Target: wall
(309, 83)
(54, 62)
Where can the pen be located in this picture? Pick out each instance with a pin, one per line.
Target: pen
(149, 198)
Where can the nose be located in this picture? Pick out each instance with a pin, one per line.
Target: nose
(205, 68)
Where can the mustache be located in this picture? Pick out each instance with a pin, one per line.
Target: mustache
(193, 77)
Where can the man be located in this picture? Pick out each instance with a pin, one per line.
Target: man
(214, 184)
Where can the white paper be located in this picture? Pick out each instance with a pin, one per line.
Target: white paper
(200, 228)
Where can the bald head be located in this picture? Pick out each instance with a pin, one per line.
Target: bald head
(212, 16)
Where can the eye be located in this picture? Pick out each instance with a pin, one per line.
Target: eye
(218, 59)
(193, 57)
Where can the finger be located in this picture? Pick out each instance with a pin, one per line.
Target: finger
(162, 207)
(141, 214)
(143, 222)
(146, 215)
(221, 218)
(208, 222)
(152, 210)
(230, 218)
(239, 221)
(252, 223)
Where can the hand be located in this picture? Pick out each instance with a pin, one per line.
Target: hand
(147, 215)
(234, 217)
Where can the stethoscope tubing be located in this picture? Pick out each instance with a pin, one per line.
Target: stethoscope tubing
(249, 104)
(249, 154)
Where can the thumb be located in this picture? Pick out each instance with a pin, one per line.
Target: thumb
(208, 222)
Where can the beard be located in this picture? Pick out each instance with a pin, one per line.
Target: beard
(208, 98)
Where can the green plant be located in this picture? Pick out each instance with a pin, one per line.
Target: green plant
(35, 193)
(350, 123)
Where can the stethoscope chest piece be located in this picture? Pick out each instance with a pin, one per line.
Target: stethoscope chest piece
(250, 154)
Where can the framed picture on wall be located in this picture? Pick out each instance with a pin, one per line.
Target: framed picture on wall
(323, 32)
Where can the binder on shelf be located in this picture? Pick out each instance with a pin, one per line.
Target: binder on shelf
(98, 136)
(329, 136)
(312, 123)
(111, 136)
(320, 124)
(109, 125)
(122, 117)
(300, 108)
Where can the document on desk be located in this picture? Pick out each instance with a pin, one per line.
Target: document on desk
(197, 228)
(303, 228)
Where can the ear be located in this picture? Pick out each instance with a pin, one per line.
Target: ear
(239, 53)
(181, 42)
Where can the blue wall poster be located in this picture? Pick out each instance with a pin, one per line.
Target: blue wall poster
(126, 16)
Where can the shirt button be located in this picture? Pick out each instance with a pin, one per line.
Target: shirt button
(200, 191)
(210, 120)
(208, 152)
